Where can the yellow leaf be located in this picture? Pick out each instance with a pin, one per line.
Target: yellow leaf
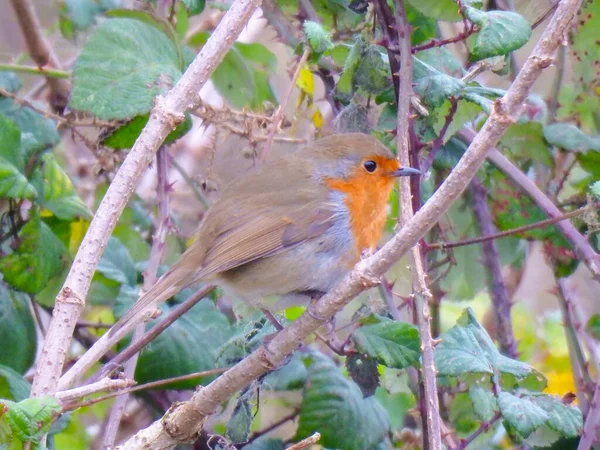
(560, 382)
(306, 81)
(317, 119)
(78, 230)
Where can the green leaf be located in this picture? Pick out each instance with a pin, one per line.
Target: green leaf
(593, 326)
(437, 9)
(238, 426)
(317, 37)
(525, 140)
(373, 71)
(17, 330)
(500, 32)
(37, 132)
(123, 66)
(522, 414)
(484, 402)
(288, 377)
(57, 192)
(125, 136)
(423, 28)
(393, 344)
(257, 53)
(344, 88)
(10, 82)
(335, 407)
(75, 15)
(565, 419)
(234, 79)
(466, 349)
(595, 190)
(116, 263)
(465, 112)
(433, 86)
(32, 418)
(265, 443)
(568, 137)
(13, 183)
(39, 257)
(194, 7)
(12, 385)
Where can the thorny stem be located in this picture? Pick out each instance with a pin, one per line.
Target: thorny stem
(491, 259)
(591, 427)
(430, 413)
(278, 116)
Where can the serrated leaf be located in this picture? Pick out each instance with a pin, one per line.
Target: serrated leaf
(500, 33)
(31, 418)
(484, 402)
(238, 426)
(344, 88)
(567, 420)
(17, 331)
(433, 86)
(568, 137)
(394, 344)
(39, 257)
(525, 140)
(194, 6)
(12, 384)
(335, 407)
(57, 193)
(317, 37)
(521, 413)
(437, 9)
(13, 183)
(125, 136)
(116, 263)
(123, 66)
(423, 28)
(467, 349)
(373, 71)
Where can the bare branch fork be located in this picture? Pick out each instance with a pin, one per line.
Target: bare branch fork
(185, 420)
(166, 114)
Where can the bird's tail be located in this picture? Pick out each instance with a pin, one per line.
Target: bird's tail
(167, 286)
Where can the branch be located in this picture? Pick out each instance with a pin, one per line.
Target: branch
(107, 384)
(41, 52)
(185, 419)
(430, 414)
(592, 421)
(491, 259)
(33, 70)
(165, 116)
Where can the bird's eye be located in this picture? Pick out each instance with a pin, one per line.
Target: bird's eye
(370, 165)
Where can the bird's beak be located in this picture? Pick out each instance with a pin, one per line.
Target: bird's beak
(405, 171)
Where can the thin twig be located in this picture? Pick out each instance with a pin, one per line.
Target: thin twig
(274, 425)
(305, 443)
(441, 42)
(149, 336)
(432, 430)
(439, 140)
(150, 274)
(166, 115)
(483, 427)
(141, 387)
(53, 73)
(41, 52)
(57, 117)
(491, 260)
(278, 116)
(106, 384)
(513, 231)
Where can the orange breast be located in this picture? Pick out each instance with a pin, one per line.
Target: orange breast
(366, 199)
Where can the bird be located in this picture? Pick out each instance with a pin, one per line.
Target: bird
(295, 226)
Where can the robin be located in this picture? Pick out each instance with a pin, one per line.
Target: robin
(297, 225)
